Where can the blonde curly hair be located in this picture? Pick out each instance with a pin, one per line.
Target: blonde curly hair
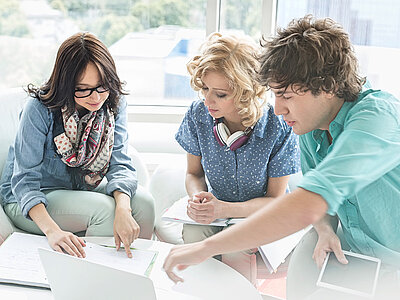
(236, 58)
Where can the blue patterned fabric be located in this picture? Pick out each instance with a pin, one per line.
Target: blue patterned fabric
(33, 165)
(271, 151)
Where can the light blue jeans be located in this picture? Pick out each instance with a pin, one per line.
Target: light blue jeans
(91, 212)
(303, 274)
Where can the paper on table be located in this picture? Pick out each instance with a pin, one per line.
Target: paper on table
(20, 262)
(275, 253)
(178, 213)
(141, 262)
(13, 295)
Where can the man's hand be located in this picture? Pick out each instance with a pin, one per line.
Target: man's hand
(183, 256)
(328, 241)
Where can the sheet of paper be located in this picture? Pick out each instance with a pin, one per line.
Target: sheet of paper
(276, 252)
(178, 213)
(20, 262)
(141, 262)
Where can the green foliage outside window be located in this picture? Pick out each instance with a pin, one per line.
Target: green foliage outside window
(12, 21)
(112, 19)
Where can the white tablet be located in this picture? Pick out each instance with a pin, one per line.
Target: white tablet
(358, 277)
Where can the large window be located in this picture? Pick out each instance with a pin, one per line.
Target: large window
(150, 41)
(243, 16)
(374, 28)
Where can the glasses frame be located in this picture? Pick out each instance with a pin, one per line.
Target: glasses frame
(91, 91)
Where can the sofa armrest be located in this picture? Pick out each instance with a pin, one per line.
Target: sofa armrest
(6, 227)
(167, 184)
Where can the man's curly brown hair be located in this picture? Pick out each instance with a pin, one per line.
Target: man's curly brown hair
(314, 55)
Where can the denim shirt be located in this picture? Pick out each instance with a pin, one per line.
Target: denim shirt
(33, 165)
(358, 175)
(236, 176)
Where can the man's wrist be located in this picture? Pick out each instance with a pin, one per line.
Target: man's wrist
(211, 247)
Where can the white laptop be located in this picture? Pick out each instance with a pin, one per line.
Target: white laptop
(75, 278)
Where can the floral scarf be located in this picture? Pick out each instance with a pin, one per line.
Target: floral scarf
(85, 145)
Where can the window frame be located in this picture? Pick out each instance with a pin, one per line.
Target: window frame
(170, 113)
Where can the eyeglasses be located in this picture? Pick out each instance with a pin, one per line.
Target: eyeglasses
(83, 93)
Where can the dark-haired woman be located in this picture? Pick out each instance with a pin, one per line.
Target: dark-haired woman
(68, 170)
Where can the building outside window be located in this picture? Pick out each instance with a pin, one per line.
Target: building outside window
(374, 28)
(150, 40)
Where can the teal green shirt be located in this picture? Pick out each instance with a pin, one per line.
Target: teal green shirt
(359, 173)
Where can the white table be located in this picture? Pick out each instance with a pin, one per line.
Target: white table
(209, 280)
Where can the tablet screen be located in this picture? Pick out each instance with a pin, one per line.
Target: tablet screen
(359, 276)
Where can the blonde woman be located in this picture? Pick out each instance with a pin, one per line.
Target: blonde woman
(239, 153)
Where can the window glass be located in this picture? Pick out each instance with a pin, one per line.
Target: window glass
(151, 41)
(374, 28)
(243, 16)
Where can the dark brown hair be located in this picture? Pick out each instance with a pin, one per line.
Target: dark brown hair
(72, 58)
(313, 54)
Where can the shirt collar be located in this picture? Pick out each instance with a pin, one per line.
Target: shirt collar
(336, 126)
(259, 128)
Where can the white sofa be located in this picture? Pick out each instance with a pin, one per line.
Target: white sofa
(11, 103)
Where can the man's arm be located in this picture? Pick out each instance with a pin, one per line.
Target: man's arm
(276, 220)
(280, 218)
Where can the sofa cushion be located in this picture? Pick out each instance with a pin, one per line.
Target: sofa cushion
(5, 226)
(11, 103)
(167, 184)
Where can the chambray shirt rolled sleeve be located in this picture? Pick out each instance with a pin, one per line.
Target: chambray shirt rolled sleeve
(367, 149)
(29, 153)
(187, 135)
(121, 174)
(285, 156)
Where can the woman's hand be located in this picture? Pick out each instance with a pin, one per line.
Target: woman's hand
(204, 208)
(126, 230)
(59, 240)
(183, 256)
(64, 241)
(328, 241)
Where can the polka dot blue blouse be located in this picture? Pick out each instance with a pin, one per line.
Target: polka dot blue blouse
(271, 151)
